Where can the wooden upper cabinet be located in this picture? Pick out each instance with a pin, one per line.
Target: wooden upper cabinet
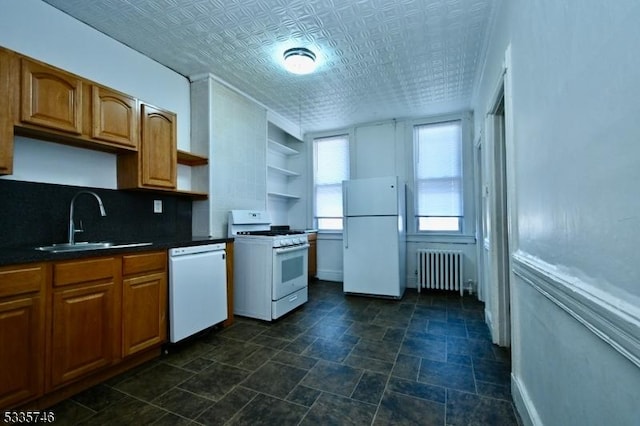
(159, 148)
(114, 117)
(155, 164)
(7, 90)
(51, 98)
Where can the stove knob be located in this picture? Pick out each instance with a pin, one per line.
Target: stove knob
(277, 243)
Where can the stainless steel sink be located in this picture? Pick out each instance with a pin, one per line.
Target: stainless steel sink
(84, 246)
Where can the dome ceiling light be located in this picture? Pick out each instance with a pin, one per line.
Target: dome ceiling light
(299, 60)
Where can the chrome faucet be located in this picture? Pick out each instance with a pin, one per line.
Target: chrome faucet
(72, 226)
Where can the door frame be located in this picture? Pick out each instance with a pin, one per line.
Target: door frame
(478, 171)
(503, 239)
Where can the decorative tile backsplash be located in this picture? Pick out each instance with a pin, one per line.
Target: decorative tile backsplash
(38, 213)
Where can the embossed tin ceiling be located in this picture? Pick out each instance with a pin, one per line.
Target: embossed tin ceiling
(378, 59)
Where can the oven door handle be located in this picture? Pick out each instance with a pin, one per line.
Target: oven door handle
(290, 249)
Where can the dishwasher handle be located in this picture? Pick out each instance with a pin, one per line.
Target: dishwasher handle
(206, 248)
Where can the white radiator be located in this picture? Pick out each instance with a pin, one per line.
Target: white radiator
(440, 269)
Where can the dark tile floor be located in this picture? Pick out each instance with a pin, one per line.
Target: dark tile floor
(338, 360)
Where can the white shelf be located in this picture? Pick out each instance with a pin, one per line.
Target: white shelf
(282, 149)
(283, 196)
(284, 172)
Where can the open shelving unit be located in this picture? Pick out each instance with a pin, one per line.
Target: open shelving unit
(281, 148)
(188, 159)
(284, 172)
(192, 160)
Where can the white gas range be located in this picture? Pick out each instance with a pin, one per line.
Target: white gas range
(270, 266)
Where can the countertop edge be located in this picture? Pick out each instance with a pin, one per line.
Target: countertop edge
(11, 256)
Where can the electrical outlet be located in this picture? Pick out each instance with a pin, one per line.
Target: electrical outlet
(157, 206)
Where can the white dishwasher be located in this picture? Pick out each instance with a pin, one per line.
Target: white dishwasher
(197, 289)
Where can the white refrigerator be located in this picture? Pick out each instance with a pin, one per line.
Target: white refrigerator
(374, 242)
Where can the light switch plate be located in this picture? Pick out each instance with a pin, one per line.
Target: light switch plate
(157, 206)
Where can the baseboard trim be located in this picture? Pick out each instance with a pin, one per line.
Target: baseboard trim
(523, 403)
(489, 320)
(614, 320)
(327, 275)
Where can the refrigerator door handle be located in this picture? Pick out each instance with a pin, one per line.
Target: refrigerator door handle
(345, 232)
(345, 206)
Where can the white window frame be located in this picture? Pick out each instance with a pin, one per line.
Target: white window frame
(460, 219)
(316, 219)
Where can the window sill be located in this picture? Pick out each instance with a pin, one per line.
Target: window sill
(329, 235)
(441, 238)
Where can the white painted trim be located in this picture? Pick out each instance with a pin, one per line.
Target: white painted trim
(524, 404)
(610, 318)
(329, 235)
(285, 124)
(329, 275)
(488, 319)
(441, 238)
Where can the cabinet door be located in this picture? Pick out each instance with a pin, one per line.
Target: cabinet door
(313, 253)
(158, 148)
(114, 117)
(51, 98)
(21, 349)
(6, 116)
(22, 333)
(144, 312)
(85, 331)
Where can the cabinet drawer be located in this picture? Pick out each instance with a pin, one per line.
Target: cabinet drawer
(21, 279)
(82, 271)
(144, 262)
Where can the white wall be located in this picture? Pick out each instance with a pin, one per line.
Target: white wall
(386, 149)
(231, 129)
(35, 29)
(575, 300)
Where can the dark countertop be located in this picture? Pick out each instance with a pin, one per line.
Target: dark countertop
(19, 255)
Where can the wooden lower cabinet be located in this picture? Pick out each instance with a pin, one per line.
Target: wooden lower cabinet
(22, 333)
(313, 255)
(144, 302)
(85, 319)
(84, 331)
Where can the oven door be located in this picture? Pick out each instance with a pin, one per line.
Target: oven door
(289, 270)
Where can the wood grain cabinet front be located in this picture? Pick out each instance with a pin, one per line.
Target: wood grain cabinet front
(7, 89)
(155, 164)
(22, 333)
(313, 255)
(50, 97)
(114, 117)
(144, 301)
(85, 318)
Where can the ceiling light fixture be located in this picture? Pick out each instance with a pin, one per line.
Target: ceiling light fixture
(299, 60)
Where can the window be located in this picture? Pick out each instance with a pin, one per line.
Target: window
(438, 176)
(331, 167)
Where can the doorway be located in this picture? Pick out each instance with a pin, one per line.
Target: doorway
(498, 210)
